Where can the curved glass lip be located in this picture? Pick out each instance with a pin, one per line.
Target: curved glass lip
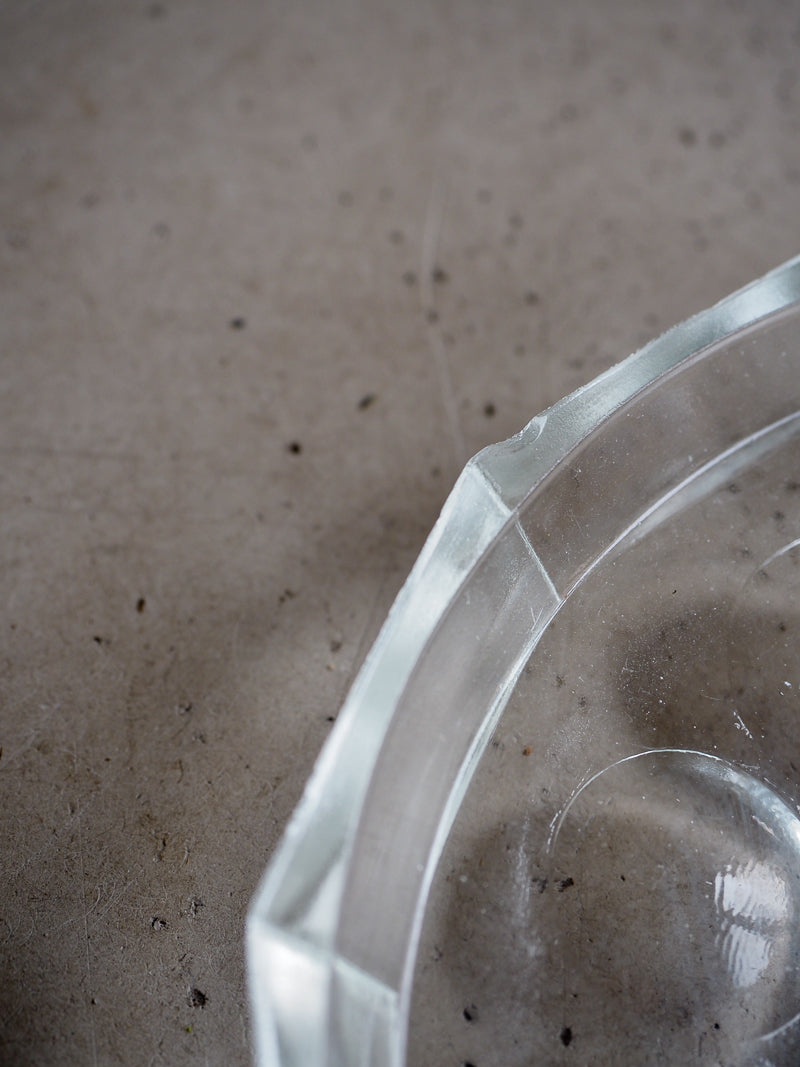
(297, 901)
(550, 436)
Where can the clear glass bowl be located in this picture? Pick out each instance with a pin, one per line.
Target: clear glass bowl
(557, 818)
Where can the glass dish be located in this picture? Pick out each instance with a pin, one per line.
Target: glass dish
(557, 818)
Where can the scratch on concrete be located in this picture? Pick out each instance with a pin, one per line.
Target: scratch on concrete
(82, 869)
(431, 231)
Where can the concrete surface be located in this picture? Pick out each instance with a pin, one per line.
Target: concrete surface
(270, 274)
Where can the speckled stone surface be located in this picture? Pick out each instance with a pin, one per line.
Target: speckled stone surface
(269, 274)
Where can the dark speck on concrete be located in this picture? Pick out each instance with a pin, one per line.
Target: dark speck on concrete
(141, 603)
(531, 298)
(432, 316)
(238, 323)
(16, 238)
(618, 84)
(489, 409)
(294, 447)
(668, 33)
(565, 883)
(366, 401)
(410, 277)
(568, 113)
(687, 136)
(197, 999)
(566, 1036)
(439, 276)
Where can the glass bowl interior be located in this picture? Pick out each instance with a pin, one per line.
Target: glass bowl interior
(623, 876)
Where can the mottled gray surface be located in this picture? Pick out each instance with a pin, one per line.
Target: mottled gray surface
(269, 273)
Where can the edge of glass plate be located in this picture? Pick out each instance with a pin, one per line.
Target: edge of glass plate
(297, 981)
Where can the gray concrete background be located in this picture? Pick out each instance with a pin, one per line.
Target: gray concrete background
(269, 274)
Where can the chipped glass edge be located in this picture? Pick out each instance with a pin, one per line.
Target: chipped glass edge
(309, 1005)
